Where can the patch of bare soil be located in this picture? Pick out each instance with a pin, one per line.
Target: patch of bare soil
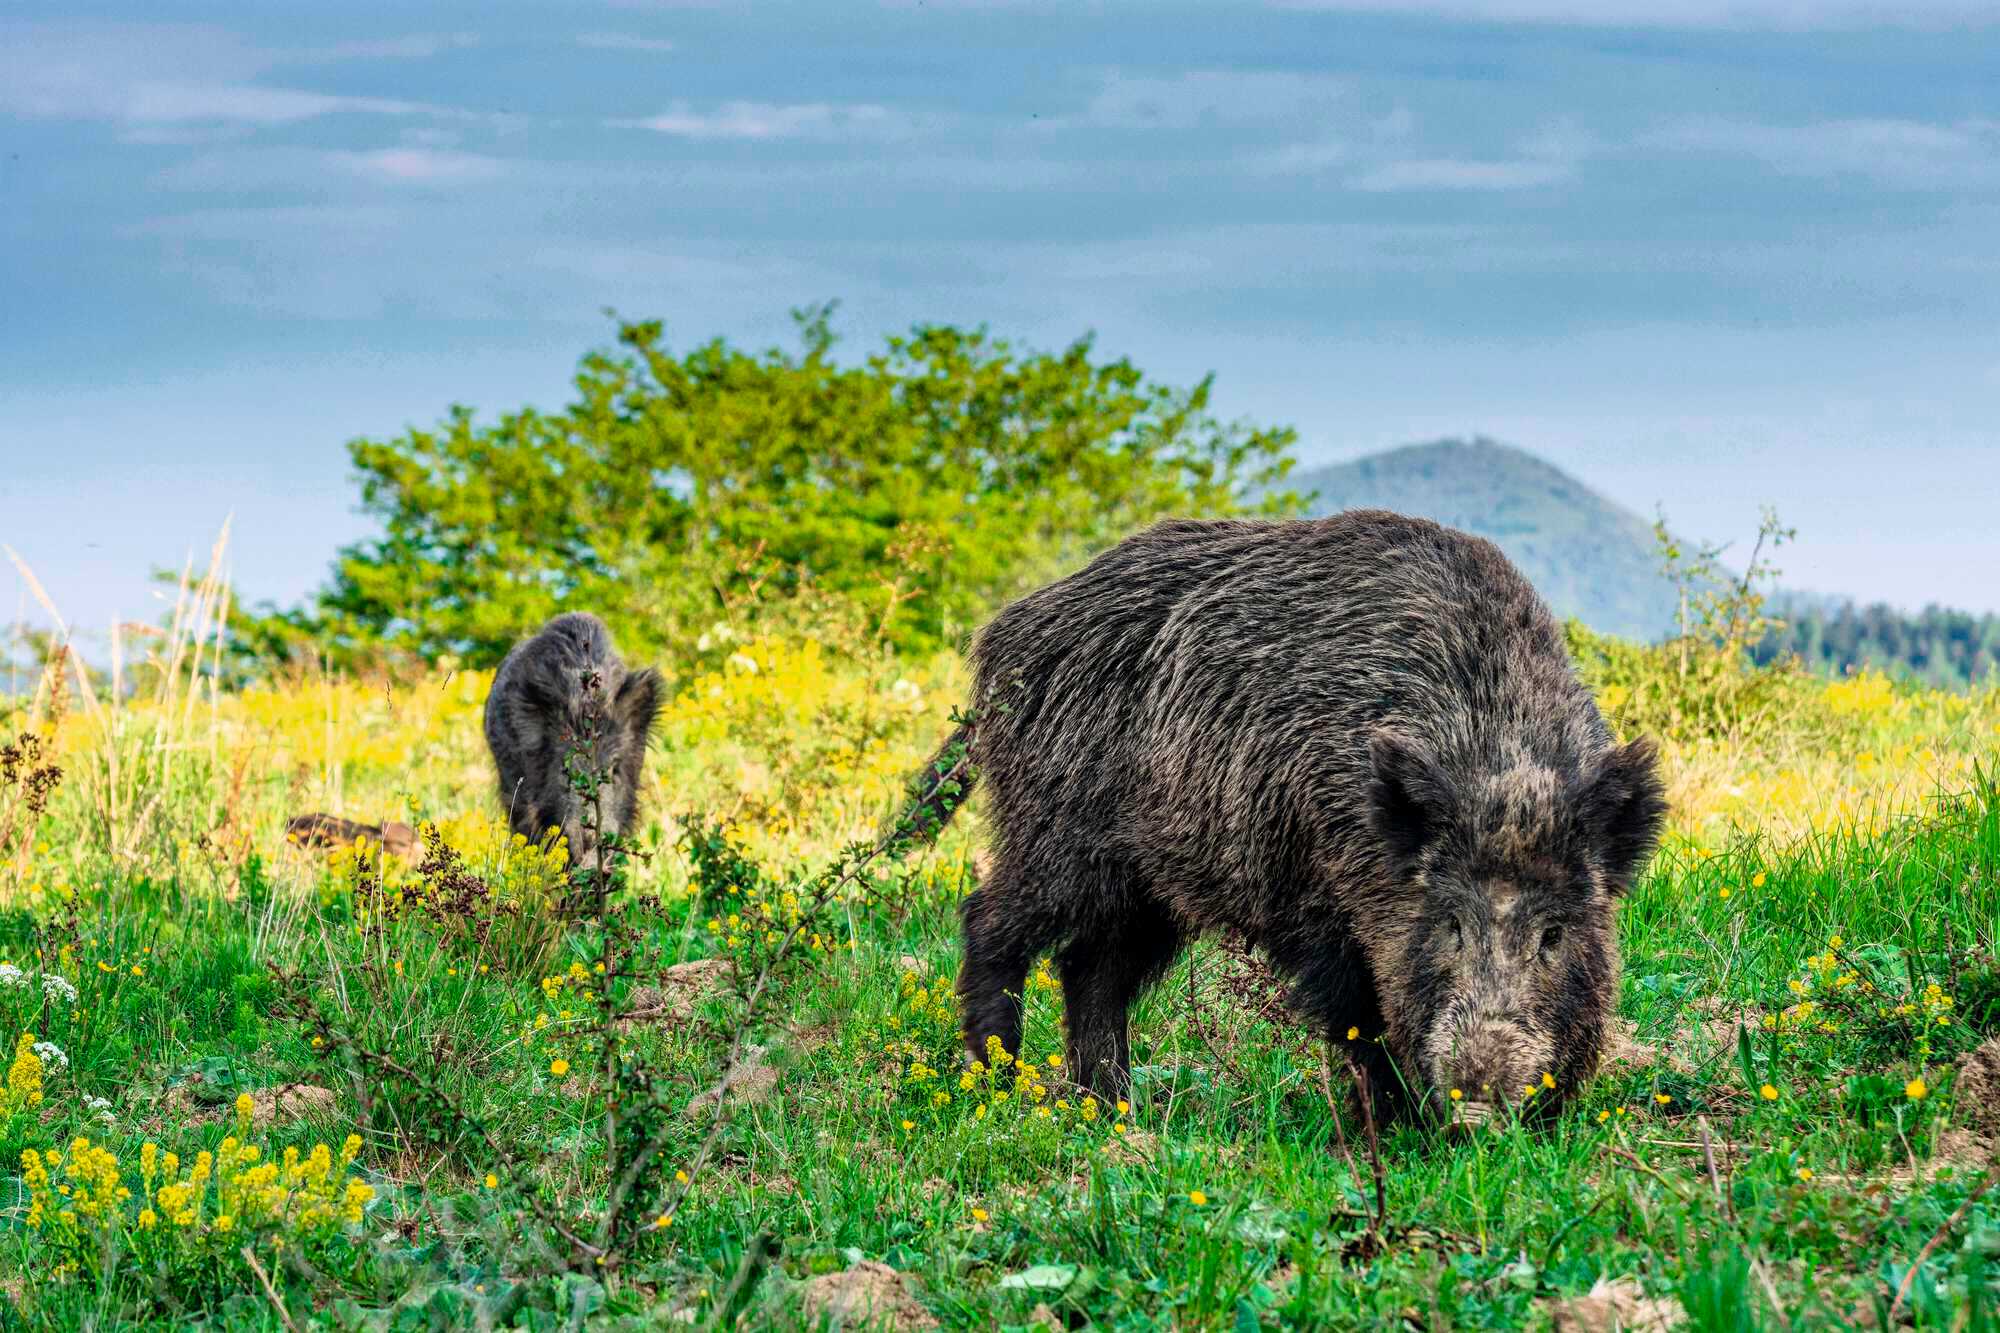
(868, 1295)
(681, 991)
(1978, 1087)
(1622, 1047)
(1135, 1145)
(1617, 1306)
(753, 1080)
(327, 832)
(287, 1101)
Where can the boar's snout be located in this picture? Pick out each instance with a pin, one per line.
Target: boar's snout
(1491, 1061)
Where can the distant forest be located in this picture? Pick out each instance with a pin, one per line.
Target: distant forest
(1937, 646)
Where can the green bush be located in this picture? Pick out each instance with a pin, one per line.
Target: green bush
(922, 486)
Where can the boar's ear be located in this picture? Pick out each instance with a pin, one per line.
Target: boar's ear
(1621, 809)
(1409, 797)
(637, 704)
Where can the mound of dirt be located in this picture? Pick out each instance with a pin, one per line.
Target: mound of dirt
(753, 1080)
(330, 831)
(1977, 1089)
(681, 991)
(868, 1295)
(1618, 1306)
(1135, 1145)
(1622, 1047)
(287, 1101)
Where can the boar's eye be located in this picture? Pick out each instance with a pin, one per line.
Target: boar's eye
(1552, 939)
(1457, 933)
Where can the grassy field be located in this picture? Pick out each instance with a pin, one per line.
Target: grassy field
(264, 1085)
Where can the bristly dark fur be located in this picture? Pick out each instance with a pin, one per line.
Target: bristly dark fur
(1359, 742)
(566, 692)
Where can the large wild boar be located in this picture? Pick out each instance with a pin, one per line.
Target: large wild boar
(563, 700)
(1357, 741)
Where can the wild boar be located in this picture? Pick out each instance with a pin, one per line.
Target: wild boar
(563, 715)
(1356, 741)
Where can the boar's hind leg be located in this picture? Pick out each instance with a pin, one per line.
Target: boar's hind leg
(1103, 969)
(1003, 930)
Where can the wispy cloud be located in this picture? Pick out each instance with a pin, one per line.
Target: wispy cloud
(768, 120)
(114, 73)
(623, 41)
(1450, 173)
(1895, 152)
(416, 46)
(419, 166)
(1778, 15)
(1200, 99)
(1550, 156)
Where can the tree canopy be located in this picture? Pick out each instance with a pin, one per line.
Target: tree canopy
(924, 485)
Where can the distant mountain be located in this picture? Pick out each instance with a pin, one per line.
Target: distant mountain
(1587, 556)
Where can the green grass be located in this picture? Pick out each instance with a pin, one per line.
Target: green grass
(1481, 1232)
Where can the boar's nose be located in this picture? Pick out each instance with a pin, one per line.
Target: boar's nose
(1483, 1062)
(1469, 1115)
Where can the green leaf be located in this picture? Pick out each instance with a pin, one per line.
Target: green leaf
(1042, 1277)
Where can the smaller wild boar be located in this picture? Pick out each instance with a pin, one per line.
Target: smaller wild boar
(563, 706)
(1357, 742)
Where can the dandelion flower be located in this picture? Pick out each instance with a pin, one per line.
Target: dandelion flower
(1548, 1079)
(1768, 1093)
(1603, 1116)
(681, 1177)
(492, 1181)
(1805, 1173)
(663, 1220)
(1353, 1032)
(1757, 880)
(979, 1215)
(558, 1067)
(909, 1125)
(1915, 1090)
(1124, 1107)
(1662, 1098)
(1197, 1198)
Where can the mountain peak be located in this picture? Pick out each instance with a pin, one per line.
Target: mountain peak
(1588, 556)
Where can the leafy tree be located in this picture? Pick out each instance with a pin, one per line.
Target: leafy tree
(923, 486)
(1937, 646)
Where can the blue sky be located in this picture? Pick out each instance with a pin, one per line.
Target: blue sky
(1705, 255)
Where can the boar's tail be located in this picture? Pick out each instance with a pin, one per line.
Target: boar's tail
(937, 791)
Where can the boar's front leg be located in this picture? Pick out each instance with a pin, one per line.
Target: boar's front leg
(1103, 968)
(1003, 928)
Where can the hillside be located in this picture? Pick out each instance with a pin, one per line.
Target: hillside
(1589, 557)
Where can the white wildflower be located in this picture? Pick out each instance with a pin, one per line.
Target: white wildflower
(744, 662)
(58, 988)
(13, 978)
(51, 1054)
(908, 694)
